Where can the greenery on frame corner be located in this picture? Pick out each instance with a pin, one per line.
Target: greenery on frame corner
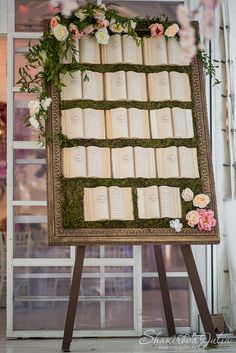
(46, 57)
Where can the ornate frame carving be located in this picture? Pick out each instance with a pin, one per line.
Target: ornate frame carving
(60, 236)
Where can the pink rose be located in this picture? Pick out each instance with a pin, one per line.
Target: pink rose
(89, 29)
(156, 29)
(102, 23)
(74, 30)
(206, 219)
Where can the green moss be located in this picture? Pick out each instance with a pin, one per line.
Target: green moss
(72, 200)
(72, 189)
(123, 67)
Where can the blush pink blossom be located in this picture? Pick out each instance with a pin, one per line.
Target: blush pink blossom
(102, 23)
(206, 219)
(157, 29)
(74, 30)
(89, 29)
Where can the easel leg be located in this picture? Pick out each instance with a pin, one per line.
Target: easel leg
(198, 292)
(74, 293)
(164, 291)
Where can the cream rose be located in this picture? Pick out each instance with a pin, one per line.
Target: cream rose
(193, 218)
(46, 103)
(34, 122)
(60, 32)
(81, 14)
(102, 36)
(115, 26)
(201, 200)
(34, 107)
(172, 30)
(187, 194)
(99, 14)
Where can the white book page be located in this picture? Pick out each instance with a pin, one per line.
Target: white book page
(148, 202)
(68, 58)
(121, 203)
(180, 87)
(136, 86)
(115, 86)
(188, 162)
(94, 124)
(98, 160)
(123, 162)
(182, 123)
(154, 51)
(138, 123)
(167, 162)
(112, 52)
(159, 87)
(96, 207)
(174, 52)
(74, 162)
(145, 166)
(161, 123)
(117, 123)
(73, 86)
(89, 50)
(72, 123)
(170, 202)
(132, 54)
(93, 87)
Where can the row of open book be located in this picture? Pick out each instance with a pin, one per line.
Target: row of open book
(123, 49)
(116, 203)
(130, 85)
(127, 123)
(129, 162)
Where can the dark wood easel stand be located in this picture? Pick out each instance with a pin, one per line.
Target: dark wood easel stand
(193, 277)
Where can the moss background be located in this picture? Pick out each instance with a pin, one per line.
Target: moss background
(72, 189)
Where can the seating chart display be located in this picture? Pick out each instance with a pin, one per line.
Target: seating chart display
(133, 164)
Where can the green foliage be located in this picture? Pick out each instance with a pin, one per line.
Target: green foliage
(209, 66)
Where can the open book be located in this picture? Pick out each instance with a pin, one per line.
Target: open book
(159, 51)
(89, 50)
(132, 53)
(73, 85)
(83, 123)
(127, 123)
(93, 87)
(159, 202)
(169, 86)
(144, 161)
(113, 203)
(123, 162)
(171, 123)
(129, 85)
(91, 162)
(177, 162)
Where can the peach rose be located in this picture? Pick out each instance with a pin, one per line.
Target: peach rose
(206, 220)
(172, 30)
(102, 23)
(157, 29)
(193, 218)
(54, 21)
(89, 29)
(201, 200)
(99, 14)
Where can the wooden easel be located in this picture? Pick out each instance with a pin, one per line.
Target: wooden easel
(193, 277)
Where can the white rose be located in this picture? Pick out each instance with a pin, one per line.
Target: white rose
(81, 14)
(46, 103)
(34, 122)
(34, 107)
(60, 32)
(187, 194)
(115, 26)
(102, 36)
(176, 225)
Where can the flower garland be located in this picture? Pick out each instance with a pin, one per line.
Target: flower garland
(94, 20)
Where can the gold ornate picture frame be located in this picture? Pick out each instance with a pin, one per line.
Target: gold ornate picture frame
(61, 235)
